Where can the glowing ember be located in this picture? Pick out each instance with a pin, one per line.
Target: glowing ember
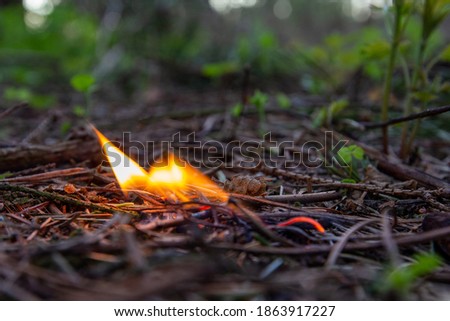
(176, 180)
(302, 219)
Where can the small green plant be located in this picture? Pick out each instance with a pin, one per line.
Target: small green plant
(236, 110)
(401, 279)
(352, 160)
(219, 69)
(327, 66)
(421, 89)
(283, 101)
(402, 11)
(404, 43)
(326, 114)
(260, 100)
(84, 84)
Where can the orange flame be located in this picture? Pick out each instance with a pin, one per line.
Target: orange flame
(177, 180)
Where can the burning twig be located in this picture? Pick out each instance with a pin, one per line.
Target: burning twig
(303, 219)
(256, 220)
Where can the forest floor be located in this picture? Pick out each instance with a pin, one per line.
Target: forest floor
(67, 231)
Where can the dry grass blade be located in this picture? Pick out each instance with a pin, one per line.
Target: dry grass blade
(337, 249)
(388, 241)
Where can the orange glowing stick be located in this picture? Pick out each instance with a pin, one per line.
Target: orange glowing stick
(303, 219)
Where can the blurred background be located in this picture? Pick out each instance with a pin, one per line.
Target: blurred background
(88, 58)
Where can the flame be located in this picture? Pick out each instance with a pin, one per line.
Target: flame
(175, 180)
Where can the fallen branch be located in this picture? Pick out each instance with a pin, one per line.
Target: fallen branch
(405, 172)
(45, 176)
(62, 198)
(26, 156)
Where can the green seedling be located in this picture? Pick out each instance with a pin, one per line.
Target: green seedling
(352, 160)
(328, 113)
(84, 84)
(236, 110)
(260, 100)
(420, 89)
(401, 16)
(219, 69)
(327, 66)
(283, 101)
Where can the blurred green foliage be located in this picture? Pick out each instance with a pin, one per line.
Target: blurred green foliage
(83, 83)
(65, 44)
(400, 280)
(129, 45)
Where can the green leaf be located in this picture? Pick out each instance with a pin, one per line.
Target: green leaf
(79, 111)
(445, 55)
(259, 99)
(283, 101)
(376, 50)
(401, 279)
(17, 94)
(216, 70)
(337, 106)
(267, 40)
(236, 110)
(424, 96)
(320, 118)
(349, 153)
(42, 101)
(82, 82)
(327, 114)
(65, 127)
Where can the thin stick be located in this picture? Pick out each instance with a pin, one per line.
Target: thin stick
(48, 175)
(305, 198)
(35, 232)
(396, 170)
(320, 249)
(426, 113)
(11, 109)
